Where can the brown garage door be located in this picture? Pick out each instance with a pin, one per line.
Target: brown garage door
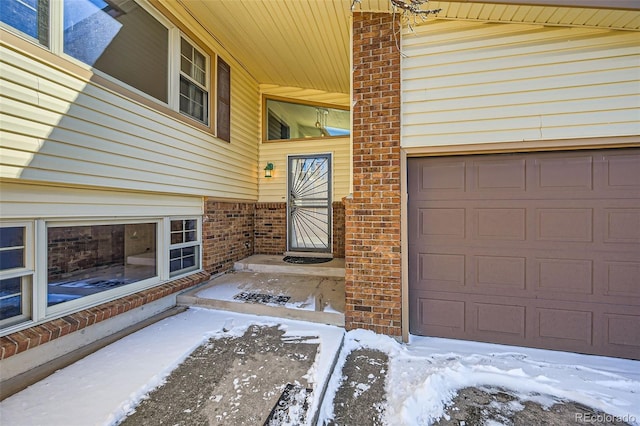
(536, 249)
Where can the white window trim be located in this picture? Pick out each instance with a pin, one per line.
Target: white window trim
(198, 242)
(36, 248)
(179, 73)
(26, 272)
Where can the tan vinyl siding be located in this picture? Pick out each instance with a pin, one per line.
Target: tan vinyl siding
(473, 83)
(274, 189)
(26, 201)
(60, 128)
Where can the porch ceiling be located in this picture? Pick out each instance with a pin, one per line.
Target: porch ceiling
(305, 43)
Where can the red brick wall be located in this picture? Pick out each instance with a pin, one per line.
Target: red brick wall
(29, 338)
(338, 229)
(227, 230)
(270, 235)
(373, 270)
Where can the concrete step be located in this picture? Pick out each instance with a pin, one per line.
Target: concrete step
(313, 298)
(329, 318)
(276, 264)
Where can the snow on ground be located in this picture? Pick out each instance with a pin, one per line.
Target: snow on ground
(424, 376)
(103, 387)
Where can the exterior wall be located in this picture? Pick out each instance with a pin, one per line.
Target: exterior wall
(60, 126)
(20, 200)
(270, 233)
(372, 229)
(476, 83)
(227, 232)
(274, 189)
(338, 218)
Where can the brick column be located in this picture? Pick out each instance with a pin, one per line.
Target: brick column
(373, 267)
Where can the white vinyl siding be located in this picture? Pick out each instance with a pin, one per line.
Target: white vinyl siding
(471, 83)
(59, 128)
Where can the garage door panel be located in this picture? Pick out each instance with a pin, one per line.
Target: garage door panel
(506, 323)
(622, 331)
(442, 317)
(500, 273)
(564, 173)
(442, 223)
(622, 279)
(442, 270)
(537, 249)
(622, 225)
(498, 175)
(563, 326)
(495, 223)
(562, 224)
(564, 276)
(621, 171)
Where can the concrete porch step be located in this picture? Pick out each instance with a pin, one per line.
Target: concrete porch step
(304, 297)
(276, 264)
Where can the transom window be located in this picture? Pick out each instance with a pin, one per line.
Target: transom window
(287, 119)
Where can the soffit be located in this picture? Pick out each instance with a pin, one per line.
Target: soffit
(305, 43)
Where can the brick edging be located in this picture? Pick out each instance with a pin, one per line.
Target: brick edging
(31, 337)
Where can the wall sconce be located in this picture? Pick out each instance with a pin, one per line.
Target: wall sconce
(268, 170)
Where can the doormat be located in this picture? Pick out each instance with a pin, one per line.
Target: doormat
(267, 299)
(291, 408)
(303, 260)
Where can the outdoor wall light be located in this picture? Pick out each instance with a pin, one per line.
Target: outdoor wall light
(268, 170)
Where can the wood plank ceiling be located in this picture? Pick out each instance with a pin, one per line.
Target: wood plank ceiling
(305, 43)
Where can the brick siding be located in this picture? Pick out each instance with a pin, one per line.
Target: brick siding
(338, 229)
(270, 234)
(29, 338)
(227, 230)
(372, 246)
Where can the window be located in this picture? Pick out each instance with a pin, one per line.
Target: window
(75, 265)
(294, 120)
(125, 41)
(90, 259)
(30, 17)
(130, 46)
(16, 271)
(194, 96)
(184, 253)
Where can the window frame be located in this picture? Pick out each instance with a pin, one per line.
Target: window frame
(103, 296)
(265, 122)
(35, 272)
(207, 77)
(25, 273)
(197, 243)
(54, 54)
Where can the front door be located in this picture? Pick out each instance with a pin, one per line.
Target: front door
(309, 203)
